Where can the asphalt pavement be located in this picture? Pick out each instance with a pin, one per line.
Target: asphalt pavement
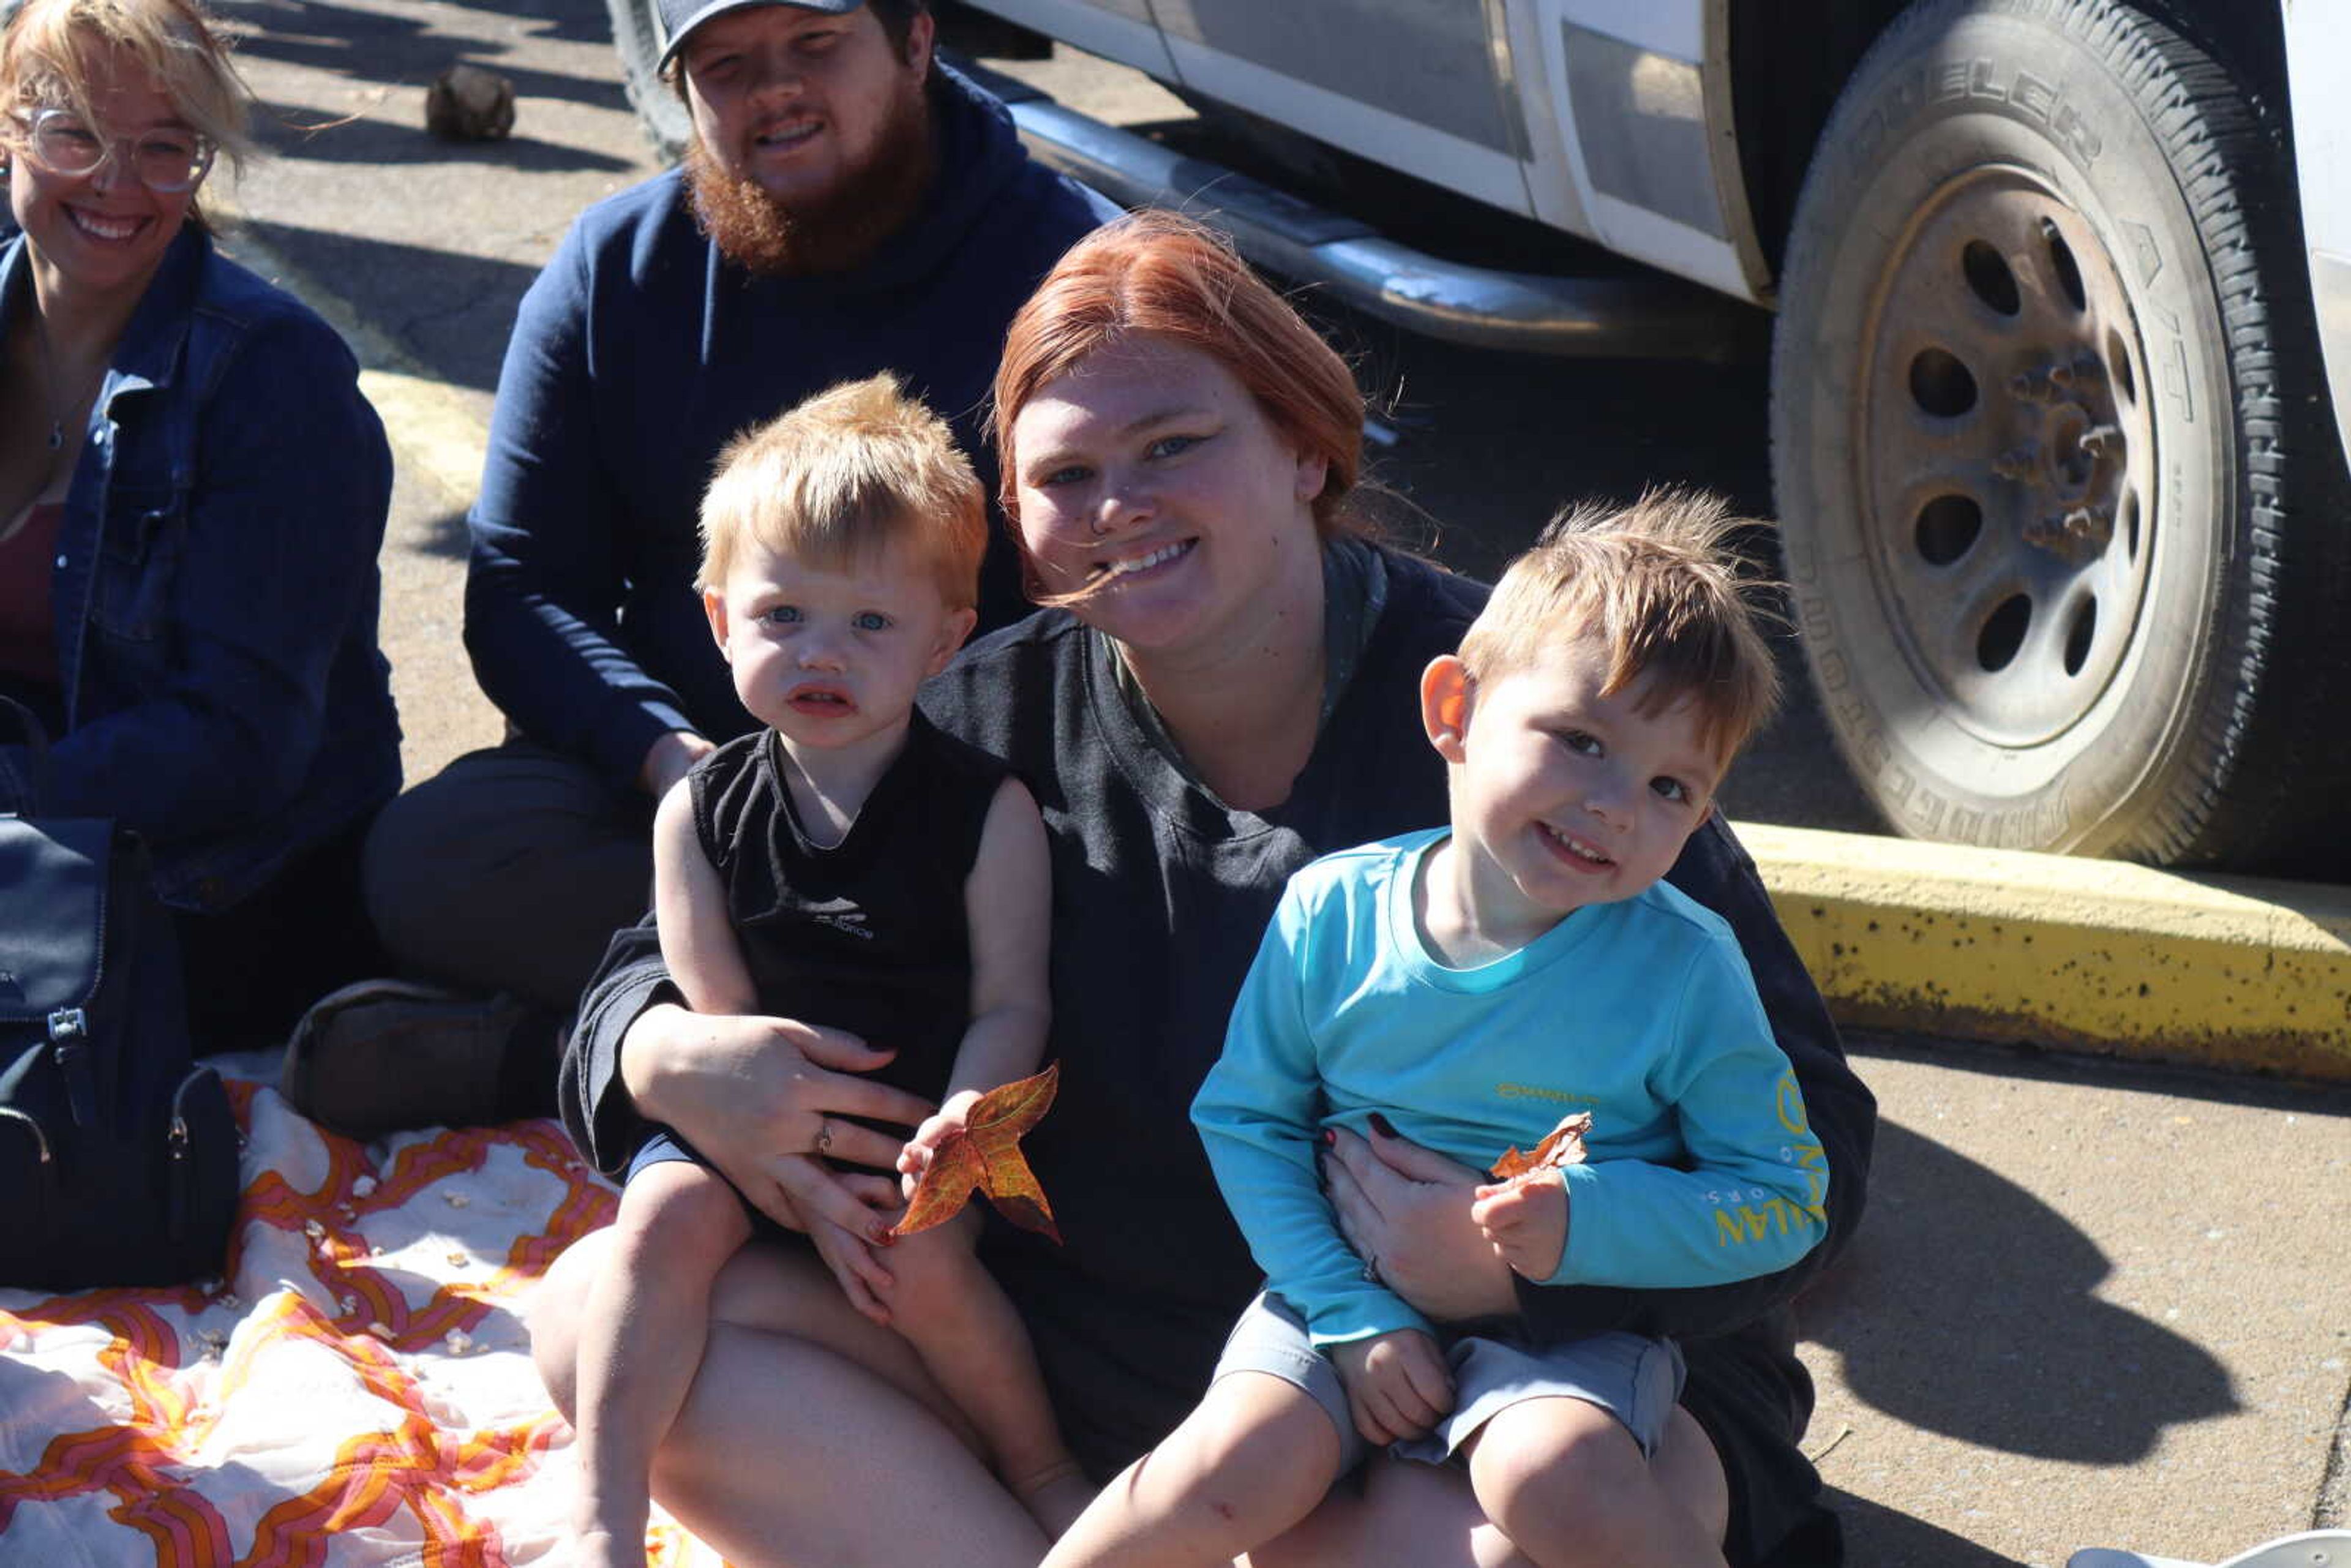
(2099, 1300)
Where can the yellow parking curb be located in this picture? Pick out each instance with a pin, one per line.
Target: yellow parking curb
(2226, 971)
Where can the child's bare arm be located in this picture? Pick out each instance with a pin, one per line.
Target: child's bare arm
(1007, 905)
(698, 940)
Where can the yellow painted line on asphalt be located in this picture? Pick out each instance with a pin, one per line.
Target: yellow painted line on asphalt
(2236, 972)
(433, 428)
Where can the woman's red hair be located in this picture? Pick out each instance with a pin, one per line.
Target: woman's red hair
(1160, 275)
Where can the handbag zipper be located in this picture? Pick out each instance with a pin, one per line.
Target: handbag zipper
(69, 1028)
(48, 1187)
(40, 1139)
(179, 1142)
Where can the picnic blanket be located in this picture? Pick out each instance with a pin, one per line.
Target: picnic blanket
(356, 1389)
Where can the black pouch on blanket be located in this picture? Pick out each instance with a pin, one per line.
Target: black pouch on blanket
(118, 1152)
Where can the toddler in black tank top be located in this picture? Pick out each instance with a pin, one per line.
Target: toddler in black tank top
(848, 866)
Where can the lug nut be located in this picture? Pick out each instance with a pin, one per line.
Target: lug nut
(2076, 536)
(2091, 525)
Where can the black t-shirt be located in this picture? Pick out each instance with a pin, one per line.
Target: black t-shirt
(868, 935)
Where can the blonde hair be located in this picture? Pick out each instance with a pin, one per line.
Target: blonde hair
(47, 60)
(850, 471)
(1657, 582)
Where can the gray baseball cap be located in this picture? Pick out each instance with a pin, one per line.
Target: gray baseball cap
(680, 18)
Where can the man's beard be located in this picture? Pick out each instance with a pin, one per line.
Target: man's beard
(831, 231)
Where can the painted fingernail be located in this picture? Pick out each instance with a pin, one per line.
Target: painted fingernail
(1382, 1127)
(1330, 1138)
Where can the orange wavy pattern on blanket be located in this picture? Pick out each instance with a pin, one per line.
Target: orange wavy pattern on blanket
(146, 1461)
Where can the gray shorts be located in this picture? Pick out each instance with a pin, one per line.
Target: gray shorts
(1634, 1378)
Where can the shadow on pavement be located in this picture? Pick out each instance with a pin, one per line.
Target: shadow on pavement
(464, 306)
(1965, 1306)
(562, 19)
(1876, 1537)
(446, 538)
(296, 132)
(375, 47)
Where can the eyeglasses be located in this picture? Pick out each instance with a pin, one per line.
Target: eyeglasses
(166, 161)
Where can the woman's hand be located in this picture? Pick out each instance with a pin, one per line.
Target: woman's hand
(759, 1098)
(860, 1274)
(1406, 1211)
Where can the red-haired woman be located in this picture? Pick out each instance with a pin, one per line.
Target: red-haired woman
(1224, 689)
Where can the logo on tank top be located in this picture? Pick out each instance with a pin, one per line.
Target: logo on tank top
(844, 916)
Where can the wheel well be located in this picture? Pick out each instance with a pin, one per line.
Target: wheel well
(1785, 79)
(2249, 39)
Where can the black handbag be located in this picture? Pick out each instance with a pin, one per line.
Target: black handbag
(118, 1150)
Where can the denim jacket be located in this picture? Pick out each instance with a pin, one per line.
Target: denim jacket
(215, 585)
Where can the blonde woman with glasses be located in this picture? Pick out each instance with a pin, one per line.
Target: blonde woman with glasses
(192, 496)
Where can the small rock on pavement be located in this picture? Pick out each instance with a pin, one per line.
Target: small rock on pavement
(467, 103)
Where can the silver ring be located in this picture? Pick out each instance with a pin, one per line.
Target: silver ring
(823, 1137)
(1371, 1271)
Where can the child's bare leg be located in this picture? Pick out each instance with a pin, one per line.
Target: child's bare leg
(972, 1341)
(1250, 1461)
(647, 1316)
(1567, 1483)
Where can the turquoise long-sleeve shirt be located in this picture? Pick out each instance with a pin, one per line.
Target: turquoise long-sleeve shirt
(1701, 1165)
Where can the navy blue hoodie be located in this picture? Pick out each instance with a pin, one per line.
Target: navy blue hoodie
(638, 351)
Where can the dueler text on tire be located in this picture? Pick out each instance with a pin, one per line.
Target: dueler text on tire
(2060, 514)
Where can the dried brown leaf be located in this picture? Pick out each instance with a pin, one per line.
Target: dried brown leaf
(1563, 1145)
(985, 1157)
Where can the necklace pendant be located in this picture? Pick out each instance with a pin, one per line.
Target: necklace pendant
(57, 435)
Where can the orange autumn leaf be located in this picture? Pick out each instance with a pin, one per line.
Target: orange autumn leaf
(1564, 1146)
(984, 1155)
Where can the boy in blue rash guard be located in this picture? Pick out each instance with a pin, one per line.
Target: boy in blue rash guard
(1472, 985)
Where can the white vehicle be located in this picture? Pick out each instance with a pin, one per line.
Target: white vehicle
(2060, 486)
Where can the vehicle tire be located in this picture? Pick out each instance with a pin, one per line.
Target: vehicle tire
(2061, 504)
(637, 37)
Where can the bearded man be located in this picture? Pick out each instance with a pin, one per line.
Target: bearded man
(849, 205)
